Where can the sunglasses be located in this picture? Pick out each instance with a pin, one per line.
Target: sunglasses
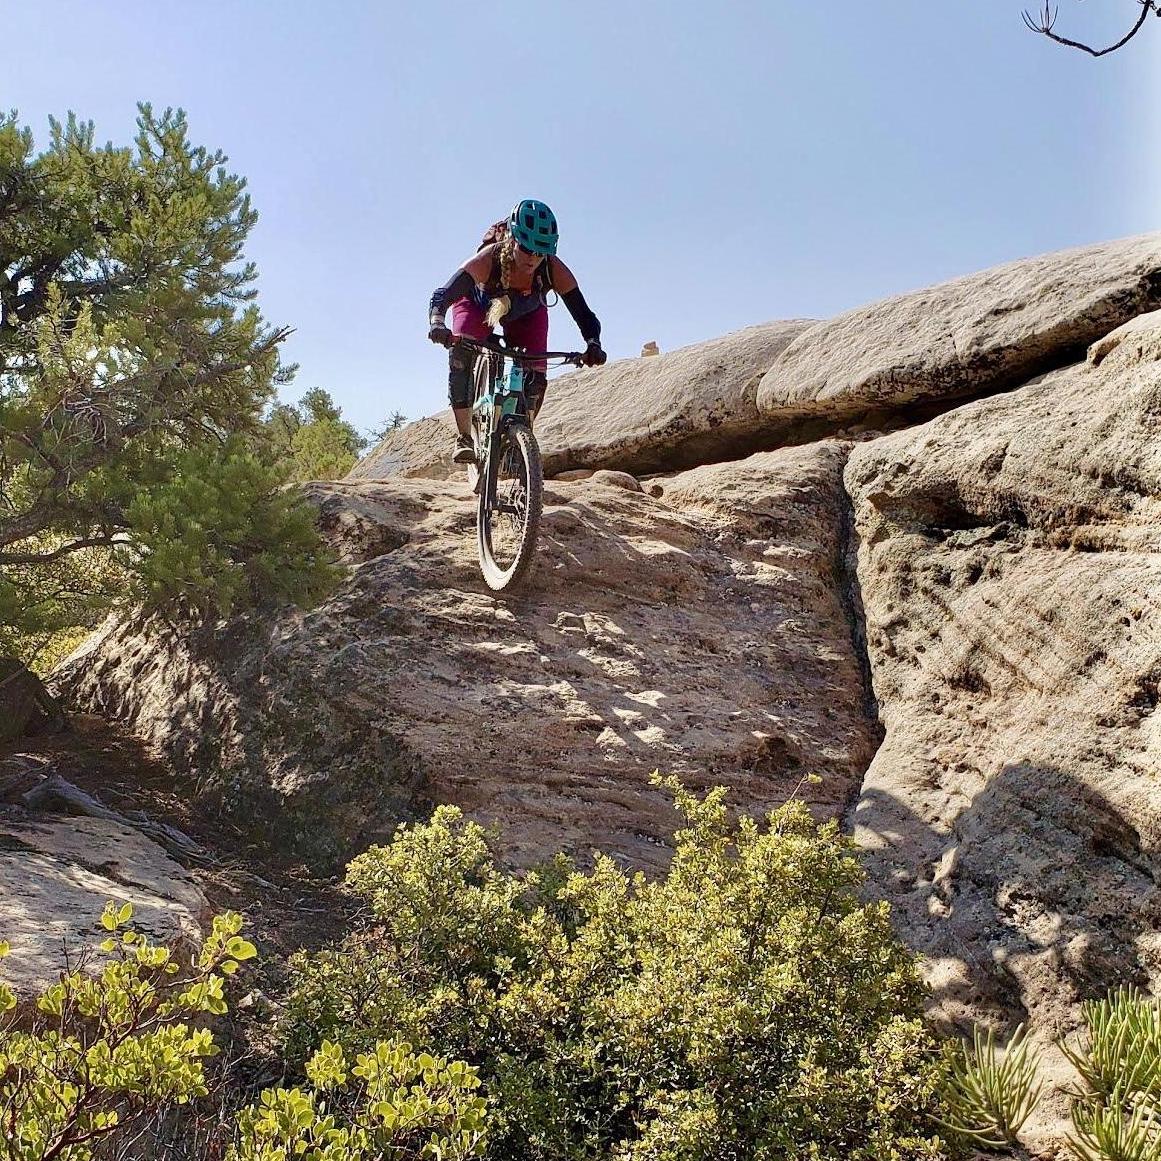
(524, 250)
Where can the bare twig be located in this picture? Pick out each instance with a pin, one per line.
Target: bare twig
(1046, 22)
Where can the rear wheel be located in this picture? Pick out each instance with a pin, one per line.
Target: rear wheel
(509, 512)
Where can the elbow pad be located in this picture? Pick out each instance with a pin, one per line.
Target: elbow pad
(458, 286)
(587, 323)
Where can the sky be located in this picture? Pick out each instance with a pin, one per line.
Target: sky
(712, 166)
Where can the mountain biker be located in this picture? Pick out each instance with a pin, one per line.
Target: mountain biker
(507, 282)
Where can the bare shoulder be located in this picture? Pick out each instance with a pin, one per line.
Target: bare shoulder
(479, 265)
(563, 279)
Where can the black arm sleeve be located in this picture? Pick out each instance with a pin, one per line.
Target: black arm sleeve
(458, 286)
(587, 322)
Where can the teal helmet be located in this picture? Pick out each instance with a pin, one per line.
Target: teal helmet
(533, 225)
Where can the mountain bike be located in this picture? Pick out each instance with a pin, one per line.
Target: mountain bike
(507, 475)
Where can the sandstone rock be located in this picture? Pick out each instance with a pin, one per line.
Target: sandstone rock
(650, 349)
(704, 633)
(420, 448)
(674, 411)
(616, 480)
(1011, 568)
(56, 875)
(986, 332)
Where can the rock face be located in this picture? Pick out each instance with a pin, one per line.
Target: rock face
(706, 632)
(688, 407)
(635, 415)
(1011, 571)
(56, 876)
(986, 332)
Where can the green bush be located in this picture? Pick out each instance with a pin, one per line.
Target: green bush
(747, 1005)
(106, 1053)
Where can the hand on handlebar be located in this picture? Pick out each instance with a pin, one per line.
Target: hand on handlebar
(594, 356)
(438, 333)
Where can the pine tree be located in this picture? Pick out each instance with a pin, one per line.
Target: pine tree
(134, 370)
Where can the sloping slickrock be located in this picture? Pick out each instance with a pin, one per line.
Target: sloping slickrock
(56, 876)
(704, 632)
(1010, 563)
(980, 334)
(693, 405)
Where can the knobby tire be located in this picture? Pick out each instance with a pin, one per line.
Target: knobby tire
(515, 449)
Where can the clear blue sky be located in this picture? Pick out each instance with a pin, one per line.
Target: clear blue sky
(711, 165)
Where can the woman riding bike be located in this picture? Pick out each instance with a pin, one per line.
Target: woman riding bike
(507, 283)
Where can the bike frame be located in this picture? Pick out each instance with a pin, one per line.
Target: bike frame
(505, 402)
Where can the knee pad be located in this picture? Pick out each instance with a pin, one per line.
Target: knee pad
(535, 385)
(459, 379)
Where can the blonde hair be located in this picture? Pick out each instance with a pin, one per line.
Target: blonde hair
(507, 254)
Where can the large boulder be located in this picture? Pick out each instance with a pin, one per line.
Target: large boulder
(1010, 560)
(674, 411)
(707, 631)
(421, 448)
(980, 334)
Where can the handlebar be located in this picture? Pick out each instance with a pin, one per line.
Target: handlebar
(515, 354)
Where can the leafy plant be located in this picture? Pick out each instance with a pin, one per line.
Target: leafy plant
(407, 1105)
(745, 1005)
(108, 1048)
(989, 1093)
(107, 1054)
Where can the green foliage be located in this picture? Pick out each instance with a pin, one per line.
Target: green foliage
(109, 1047)
(109, 1050)
(311, 439)
(131, 355)
(188, 524)
(991, 1094)
(1115, 1111)
(398, 1105)
(746, 1005)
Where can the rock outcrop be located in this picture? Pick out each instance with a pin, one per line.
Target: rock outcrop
(56, 874)
(980, 592)
(1011, 573)
(976, 335)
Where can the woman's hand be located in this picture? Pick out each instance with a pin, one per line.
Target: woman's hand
(594, 356)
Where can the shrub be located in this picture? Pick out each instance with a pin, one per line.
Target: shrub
(109, 1052)
(745, 1005)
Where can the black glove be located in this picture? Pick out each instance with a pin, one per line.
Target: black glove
(439, 333)
(594, 356)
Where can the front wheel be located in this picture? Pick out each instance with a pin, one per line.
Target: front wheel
(511, 498)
